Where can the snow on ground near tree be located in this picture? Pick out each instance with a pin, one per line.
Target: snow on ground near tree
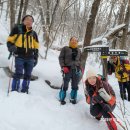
(40, 109)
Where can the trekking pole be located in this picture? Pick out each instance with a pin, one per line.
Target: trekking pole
(122, 93)
(63, 76)
(10, 55)
(11, 67)
(113, 117)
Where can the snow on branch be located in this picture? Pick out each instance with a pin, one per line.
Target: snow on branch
(109, 35)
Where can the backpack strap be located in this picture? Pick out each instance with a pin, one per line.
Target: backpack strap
(20, 31)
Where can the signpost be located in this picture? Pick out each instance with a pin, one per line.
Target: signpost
(105, 52)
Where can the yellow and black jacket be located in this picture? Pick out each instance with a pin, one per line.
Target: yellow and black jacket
(25, 40)
(120, 65)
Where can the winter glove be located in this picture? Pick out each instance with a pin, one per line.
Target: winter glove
(102, 92)
(120, 72)
(12, 48)
(97, 99)
(65, 70)
(106, 107)
(35, 61)
(91, 91)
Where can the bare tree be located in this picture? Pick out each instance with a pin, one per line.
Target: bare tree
(125, 30)
(12, 13)
(89, 29)
(20, 12)
(121, 11)
(25, 7)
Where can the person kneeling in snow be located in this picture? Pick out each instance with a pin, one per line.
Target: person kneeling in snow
(101, 97)
(70, 62)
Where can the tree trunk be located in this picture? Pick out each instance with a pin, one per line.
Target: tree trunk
(53, 15)
(25, 7)
(1, 4)
(7, 11)
(110, 14)
(42, 16)
(20, 12)
(47, 39)
(89, 29)
(121, 12)
(12, 13)
(125, 30)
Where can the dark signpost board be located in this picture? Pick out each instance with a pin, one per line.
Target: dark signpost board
(105, 52)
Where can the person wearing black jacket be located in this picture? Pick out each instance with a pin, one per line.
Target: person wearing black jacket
(23, 44)
(70, 62)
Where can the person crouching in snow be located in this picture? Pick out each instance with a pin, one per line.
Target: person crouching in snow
(101, 97)
(70, 62)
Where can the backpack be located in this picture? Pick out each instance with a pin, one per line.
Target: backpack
(20, 31)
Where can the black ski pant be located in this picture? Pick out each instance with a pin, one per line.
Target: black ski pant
(74, 77)
(98, 110)
(123, 86)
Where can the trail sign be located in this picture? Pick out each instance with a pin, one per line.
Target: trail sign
(114, 52)
(105, 51)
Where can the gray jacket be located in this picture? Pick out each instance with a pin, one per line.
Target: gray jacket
(65, 57)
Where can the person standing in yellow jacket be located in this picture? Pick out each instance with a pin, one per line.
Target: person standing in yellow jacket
(121, 68)
(23, 44)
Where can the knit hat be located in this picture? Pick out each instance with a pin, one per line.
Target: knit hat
(91, 73)
(26, 17)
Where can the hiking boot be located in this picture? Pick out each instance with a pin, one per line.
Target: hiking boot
(63, 102)
(73, 101)
(123, 96)
(98, 118)
(23, 91)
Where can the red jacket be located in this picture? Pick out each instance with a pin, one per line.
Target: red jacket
(109, 90)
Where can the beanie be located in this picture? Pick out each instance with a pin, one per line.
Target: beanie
(91, 73)
(26, 17)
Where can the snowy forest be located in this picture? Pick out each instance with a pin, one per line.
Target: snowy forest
(101, 30)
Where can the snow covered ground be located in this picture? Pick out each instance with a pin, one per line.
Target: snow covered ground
(40, 109)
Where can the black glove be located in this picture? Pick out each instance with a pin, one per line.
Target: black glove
(91, 91)
(120, 72)
(12, 48)
(97, 99)
(35, 61)
(106, 107)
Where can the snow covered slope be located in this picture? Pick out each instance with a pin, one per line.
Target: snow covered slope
(40, 109)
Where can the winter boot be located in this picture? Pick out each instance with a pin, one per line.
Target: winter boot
(15, 84)
(123, 96)
(99, 116)
(62, 95)
(25, 86)
(73, 96)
